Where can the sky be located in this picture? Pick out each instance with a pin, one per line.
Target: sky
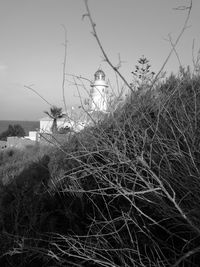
(32, 51)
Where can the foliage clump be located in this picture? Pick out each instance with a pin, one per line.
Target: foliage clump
(142, 75)
(13, 130)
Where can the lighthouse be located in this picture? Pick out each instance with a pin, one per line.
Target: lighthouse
(99, 92)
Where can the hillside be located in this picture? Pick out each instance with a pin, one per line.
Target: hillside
(124, 192)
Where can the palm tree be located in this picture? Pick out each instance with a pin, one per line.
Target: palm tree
(55, 114)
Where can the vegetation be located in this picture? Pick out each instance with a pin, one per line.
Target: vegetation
(124, 192)
(64, 130)
(13, 130)
(142, 75)
(55, 114)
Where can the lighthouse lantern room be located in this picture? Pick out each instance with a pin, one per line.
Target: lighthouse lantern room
(99, 92)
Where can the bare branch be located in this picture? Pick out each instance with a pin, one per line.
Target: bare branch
(79, 77)
(64, 67)
(186, 255)
(189, 8)
(196, 60)
(33, 90)
(174, 48)
(94, 32)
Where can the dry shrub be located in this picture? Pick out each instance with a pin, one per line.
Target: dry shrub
(139, 173)
(126, 192)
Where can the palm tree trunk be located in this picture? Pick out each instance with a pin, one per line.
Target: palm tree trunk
(54, 127)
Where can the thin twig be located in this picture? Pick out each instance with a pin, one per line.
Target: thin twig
(80, 77)
(64, 67)
(186, 255)
(33, 90)
(174, 48)
(189, 8)
(116, 69)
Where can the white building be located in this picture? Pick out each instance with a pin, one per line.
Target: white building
(33, 135)
(77, 121)
(99, 92)
(46, 124)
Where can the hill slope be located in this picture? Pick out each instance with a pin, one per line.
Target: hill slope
(125, 192)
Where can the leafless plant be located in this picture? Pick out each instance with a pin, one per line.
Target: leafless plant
(106, 58)
(36, 92)
(173, 49)
(64, 67)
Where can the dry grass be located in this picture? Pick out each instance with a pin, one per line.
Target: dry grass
(125, 192)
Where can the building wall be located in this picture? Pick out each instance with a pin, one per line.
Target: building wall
(45, 125)
(33, 135)
(99, 95)
(99, 99)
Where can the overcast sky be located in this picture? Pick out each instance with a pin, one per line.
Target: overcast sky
(31, 50)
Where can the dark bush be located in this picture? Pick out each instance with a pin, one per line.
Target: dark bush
(13, 130)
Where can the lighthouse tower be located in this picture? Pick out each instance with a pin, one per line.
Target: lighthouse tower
(99, 92)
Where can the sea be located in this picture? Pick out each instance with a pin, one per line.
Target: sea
(26, 125)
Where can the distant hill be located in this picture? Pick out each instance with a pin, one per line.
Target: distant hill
(27, 125)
